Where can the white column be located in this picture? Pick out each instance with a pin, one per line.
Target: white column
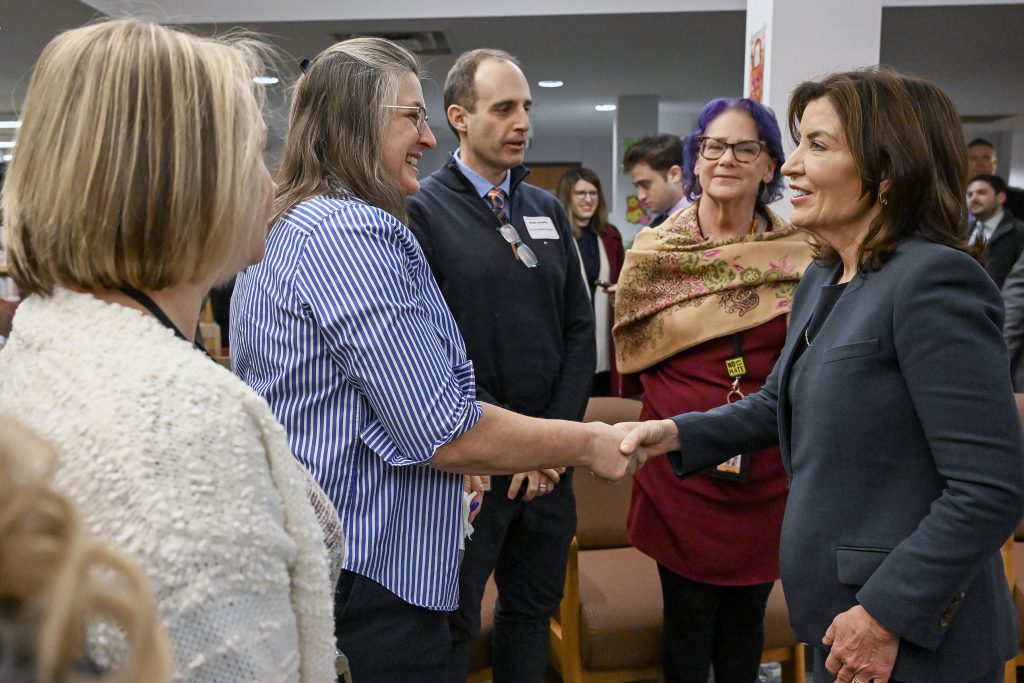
(805, 40)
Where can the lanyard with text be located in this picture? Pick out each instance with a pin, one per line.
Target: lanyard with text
(736, 467)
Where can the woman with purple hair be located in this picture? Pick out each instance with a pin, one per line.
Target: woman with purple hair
(700, 316)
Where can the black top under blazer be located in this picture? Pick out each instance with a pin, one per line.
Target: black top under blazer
(905, 455)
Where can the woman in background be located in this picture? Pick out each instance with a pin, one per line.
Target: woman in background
(600, 247)
(701, 315)
(138, 184)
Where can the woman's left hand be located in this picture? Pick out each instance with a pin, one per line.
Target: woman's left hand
(863, 651)
(474, 484)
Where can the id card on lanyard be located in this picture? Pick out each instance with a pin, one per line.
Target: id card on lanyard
(737, 467)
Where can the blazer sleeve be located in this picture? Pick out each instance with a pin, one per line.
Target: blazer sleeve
(947, 317)
(710, 438)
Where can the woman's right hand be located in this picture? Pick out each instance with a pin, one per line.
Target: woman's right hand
(656, 437)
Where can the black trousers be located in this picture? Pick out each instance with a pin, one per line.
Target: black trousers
(386, 639)
(711, 626)
(526, 546)
(821, 674)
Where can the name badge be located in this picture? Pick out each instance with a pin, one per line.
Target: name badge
(540, 227)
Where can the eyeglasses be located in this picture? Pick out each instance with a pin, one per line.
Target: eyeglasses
(743, 151)
(522, 252)
(584, 194)
(421, 113)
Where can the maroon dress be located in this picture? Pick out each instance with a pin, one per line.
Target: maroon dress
(711, 530)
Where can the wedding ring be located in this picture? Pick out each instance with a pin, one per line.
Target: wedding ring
(543, 487)
(857, 680)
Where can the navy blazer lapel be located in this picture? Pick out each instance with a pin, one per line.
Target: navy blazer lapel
(798, 321)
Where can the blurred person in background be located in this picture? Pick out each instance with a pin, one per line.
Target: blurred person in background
(655, 167)
(56, 581)
(601, 254)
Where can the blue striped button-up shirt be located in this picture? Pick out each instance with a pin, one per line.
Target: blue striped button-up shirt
(342, 328)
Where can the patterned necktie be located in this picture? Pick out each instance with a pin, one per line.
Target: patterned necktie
(496, 197)
(978, 233)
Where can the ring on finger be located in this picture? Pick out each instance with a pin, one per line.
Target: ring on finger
(543, 487)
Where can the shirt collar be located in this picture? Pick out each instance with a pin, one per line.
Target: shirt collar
(681, 204)
(992, 223)
(480, 184)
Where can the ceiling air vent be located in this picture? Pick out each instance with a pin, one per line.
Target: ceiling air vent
(418, 42)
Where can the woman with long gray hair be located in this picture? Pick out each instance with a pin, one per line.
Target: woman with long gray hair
(345, 332)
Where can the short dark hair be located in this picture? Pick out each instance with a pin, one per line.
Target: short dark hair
(767, 132)
(997, 183)
(900, 130)
(660, 152)
(976, 142)
(459, 85)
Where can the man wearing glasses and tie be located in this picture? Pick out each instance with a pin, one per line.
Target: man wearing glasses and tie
(504, 256)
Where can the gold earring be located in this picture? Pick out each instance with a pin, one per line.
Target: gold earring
(883, 201)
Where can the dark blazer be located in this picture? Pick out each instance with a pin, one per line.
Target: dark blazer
(1015, 202)
(1005, 247)
(906, 459)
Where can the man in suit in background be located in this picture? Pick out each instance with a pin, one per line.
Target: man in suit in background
(655, 165)
(982, 160)
(1002, 233)
(503, 254)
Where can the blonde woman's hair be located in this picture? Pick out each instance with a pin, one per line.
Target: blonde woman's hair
(55, 579)
(136, 161)
(337, 125)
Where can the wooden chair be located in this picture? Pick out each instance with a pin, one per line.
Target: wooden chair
(1013, 565)
(608, 627)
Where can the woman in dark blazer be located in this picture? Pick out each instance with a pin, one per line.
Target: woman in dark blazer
(891, 400)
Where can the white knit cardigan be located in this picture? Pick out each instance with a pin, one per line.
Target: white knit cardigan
(177, 461)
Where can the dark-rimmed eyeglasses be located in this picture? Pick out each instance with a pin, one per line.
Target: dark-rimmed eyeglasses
(743, 151)
(421, 113)
(522, 251)
(585, 194)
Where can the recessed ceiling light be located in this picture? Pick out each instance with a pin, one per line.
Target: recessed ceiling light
(7, 144)
(550, 84)
(264, 80)
(7, 157)
(10, 124)
(605, 107)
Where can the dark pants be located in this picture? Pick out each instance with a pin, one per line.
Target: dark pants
(526, 546)
(386, 639)
(821, 674)
(708, 625)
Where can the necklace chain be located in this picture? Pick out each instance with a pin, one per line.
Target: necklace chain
(807, 337)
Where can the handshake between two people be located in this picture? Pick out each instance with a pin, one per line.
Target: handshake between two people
(620, 450)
